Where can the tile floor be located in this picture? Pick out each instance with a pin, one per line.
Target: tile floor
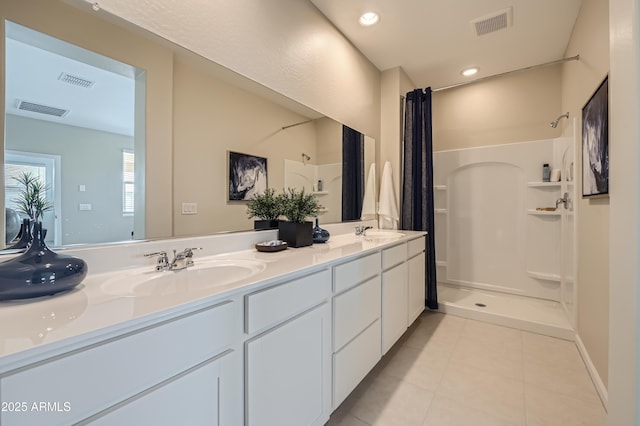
(448, 370)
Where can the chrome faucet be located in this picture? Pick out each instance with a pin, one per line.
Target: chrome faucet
(181, 260)
(361, 229)
(564, 200)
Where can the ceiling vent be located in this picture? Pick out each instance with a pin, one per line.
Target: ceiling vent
(493, 22)
(74, 80)
(41, 109)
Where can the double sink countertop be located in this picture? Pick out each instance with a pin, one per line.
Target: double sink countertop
(110, 303)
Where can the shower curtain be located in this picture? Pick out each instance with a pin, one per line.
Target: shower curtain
(417, 181)
(352, 173)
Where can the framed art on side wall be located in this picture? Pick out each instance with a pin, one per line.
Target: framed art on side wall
(595, 143)
(247, 176)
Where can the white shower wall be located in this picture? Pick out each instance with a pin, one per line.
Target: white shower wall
(489, 234)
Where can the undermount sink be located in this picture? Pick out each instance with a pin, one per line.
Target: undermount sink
(382, 234)
(205, 274)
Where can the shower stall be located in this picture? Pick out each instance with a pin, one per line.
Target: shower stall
(505, 239)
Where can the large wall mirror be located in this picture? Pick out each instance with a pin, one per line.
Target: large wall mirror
(184, 114)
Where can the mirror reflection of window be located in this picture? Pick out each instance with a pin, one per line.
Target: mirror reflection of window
(63, 100)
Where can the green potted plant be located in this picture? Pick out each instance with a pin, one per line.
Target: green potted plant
(267, 207)
(32, 198)
(297, 206)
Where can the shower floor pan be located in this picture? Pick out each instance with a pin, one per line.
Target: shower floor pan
(525, 313)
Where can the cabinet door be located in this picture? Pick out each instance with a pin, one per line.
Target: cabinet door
(288, 372)
(416, 287)
(394, 305)
(191, 399)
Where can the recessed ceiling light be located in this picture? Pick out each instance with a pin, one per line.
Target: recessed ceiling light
(469, 71)
(369, 18)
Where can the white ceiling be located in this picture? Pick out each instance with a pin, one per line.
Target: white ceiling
(34, 63)
(433, 40)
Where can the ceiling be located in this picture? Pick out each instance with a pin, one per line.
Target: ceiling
(35, 63)
(434, 40)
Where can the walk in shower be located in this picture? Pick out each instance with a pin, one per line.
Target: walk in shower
(505, 239)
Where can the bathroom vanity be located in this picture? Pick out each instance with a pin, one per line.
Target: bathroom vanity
(241, 337)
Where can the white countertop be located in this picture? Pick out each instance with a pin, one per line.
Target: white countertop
(103, 306)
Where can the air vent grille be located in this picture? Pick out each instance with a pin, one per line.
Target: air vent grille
(74, 80)
(42, 109)
(494, 22)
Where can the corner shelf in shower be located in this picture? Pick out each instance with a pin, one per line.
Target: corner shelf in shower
(535, 212)
(439, 187)
(544, 276)
(544, 184)
(320, 192)
(442, 263)
(441, 211)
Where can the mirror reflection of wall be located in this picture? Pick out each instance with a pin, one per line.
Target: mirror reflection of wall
(72, 124)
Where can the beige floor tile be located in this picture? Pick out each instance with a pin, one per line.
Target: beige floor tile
(491, 359)
(550, 408)
(446, 411)
(422, 368)
(345, 419)
(545, 350)
(389, 401)
(435, 330)
(573, 382)
(499, 396)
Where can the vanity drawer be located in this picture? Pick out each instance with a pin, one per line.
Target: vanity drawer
(93, 379)
(415, 247)
(268, 307)
(353, 362)
(354, 310)
(351, 273)
(394, 255)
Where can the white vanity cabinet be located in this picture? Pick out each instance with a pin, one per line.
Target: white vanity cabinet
(136, 372)
(394, 295)
(288, 353)
(356, 323)
(416, 267)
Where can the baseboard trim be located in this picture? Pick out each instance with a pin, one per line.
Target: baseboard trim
(597, 381)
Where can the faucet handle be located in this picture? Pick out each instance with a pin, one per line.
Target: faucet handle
(163, 259)
(188, 252)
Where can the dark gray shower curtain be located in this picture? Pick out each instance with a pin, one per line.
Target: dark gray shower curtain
(417, 181)
(352, 173)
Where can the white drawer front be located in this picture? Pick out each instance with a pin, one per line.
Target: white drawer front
(351, 273)
(394, 255)
(97, 378)
(268, 307)
(354, 361)
(354, 310)
(415, 246)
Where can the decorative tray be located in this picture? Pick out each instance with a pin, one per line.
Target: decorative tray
(271, 246)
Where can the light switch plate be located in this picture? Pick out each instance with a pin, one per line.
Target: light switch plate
(189, 208)
(84, 207)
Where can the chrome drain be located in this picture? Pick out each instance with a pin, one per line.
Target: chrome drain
(481, 305)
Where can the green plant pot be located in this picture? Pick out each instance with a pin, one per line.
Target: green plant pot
(296, 234)
(259, 225)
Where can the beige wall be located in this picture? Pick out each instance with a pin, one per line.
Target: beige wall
(590, 39)
(513, 108)
(73, 26)
(210, 118)
(329, 141)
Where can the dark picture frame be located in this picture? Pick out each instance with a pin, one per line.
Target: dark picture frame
(247, 176)
(595, 143)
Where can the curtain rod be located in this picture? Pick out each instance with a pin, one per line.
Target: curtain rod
(559, 61)
(297, 124)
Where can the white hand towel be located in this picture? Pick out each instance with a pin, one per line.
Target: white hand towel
(369, 200)
(387, 209)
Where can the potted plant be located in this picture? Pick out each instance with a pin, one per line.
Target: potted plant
(296, 207)
(267, 207)
(32, 203)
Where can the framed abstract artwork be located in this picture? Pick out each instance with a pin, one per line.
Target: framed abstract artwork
(595, 143)
(247, 176)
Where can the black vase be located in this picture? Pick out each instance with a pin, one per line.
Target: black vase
(296, 234)
(39, 271)
(320, 235)
(24, 236)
